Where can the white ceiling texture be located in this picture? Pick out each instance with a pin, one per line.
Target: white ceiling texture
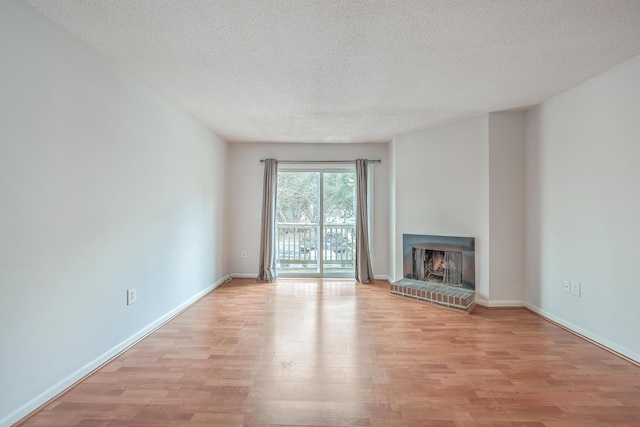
(352, 70)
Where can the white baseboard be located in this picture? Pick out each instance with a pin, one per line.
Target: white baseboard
(77, 376)
(499, 303)
(603, 342)
(381, 277)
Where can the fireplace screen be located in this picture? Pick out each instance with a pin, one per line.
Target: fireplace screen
(448, 260)
(437, 266)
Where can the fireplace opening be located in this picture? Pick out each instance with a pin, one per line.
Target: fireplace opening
(437, 266)
(447, 260)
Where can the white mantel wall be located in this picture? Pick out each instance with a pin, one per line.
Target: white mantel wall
(245, 176)
(104, 186)
(583, 207)
(466, 179)
(506, 209)
(442, 188)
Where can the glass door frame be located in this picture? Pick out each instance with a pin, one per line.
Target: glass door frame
(320, 243)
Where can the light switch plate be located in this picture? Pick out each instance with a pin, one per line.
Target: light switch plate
(575, 288)
(132, 296)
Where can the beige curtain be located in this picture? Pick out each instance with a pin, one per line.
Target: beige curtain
(267, 269)
(364, 272)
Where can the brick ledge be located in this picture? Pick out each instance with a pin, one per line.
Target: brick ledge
(435, 293)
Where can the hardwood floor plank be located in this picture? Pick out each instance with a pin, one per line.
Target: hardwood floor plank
(334, 353)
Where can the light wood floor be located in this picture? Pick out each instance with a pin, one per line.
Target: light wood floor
(334, 353)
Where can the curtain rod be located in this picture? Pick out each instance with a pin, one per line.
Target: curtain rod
(320, 161)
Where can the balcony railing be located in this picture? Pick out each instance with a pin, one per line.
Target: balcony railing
(299, 248)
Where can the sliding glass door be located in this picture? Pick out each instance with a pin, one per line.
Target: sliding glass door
(315, 218)
(297, 222)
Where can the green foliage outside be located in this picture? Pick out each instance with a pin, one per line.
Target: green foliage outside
(297, 197)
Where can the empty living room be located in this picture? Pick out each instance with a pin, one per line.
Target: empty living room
(319, 213)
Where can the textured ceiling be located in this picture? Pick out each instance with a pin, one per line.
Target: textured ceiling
(349, 70)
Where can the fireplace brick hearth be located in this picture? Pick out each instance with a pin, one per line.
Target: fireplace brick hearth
(435, 293)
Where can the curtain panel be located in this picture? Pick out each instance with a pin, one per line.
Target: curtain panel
(364, 272)
(267, 268)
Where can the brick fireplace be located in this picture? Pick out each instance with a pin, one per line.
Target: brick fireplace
(438, 270)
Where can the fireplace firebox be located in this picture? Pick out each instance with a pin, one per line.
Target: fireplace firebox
(447, 260)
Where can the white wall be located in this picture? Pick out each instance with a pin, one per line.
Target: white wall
(245, 178)
(442, 188)
(583, 207)
(506, 208)
(104, 186)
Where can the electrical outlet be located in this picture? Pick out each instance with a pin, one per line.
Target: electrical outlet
(244, 253)
(567, 286)
(385, 254)
(258, 214)
(132, 296)
(575, 288)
